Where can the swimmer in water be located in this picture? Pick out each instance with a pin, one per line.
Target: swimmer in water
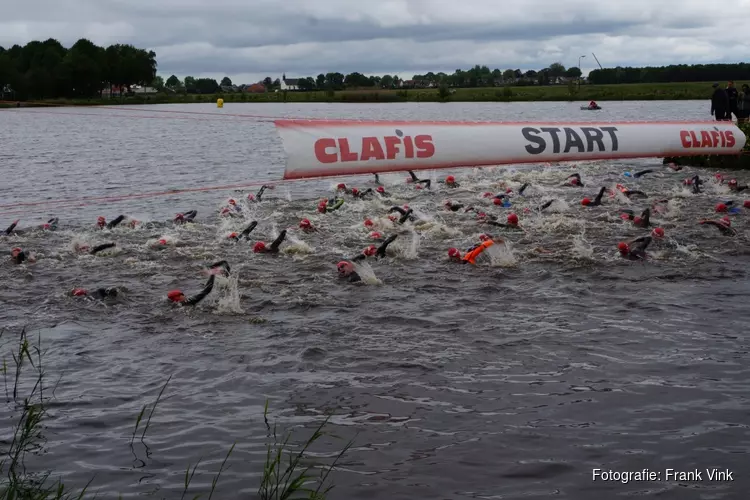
(472, 253)
(574, 180)
(597, 201)
(724, 225)
(638, 174)
(415, 180)
(98, 294)
(331, 205)
(346, 270)
(674, 167)
(95, 250)
(11, 229)
(546, 205)
(407, 214)
(631, 192)
(245, 234)
(726, 206)
(260, 247)
(232, 210)
(695, 182)
(636, 249)
(511, 222)
(360, 194)
(306, 226)
(186, 217)
(377, 179)
(256, 198)
(50, 225)
(734, 186)
(453, 207)
(522, 189)
(379, 252)
(450, 181)
(19, 256)
(382, 192)
(643, 221)
(179, 298)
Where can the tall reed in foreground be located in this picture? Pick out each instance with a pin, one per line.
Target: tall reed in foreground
(287, 473)
(25, 401)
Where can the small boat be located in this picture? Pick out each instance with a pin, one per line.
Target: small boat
(589, 108)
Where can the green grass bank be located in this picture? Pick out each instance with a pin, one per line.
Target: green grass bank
(623, 92)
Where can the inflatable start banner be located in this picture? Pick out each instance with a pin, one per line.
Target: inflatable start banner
(323, 148)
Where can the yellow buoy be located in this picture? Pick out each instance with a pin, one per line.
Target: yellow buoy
(219, 103)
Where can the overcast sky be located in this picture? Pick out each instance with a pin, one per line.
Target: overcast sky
(250, 39)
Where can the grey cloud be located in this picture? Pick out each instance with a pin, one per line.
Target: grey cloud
(253, 38)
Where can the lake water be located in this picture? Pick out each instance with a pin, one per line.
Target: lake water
(512, 379)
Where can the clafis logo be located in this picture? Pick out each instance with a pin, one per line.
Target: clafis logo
(708, 139)
(330, 150)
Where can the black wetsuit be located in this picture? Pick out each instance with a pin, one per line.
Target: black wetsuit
(645, 219)
(246, 232)
(641, 173)
(629, 193)
(598, 200)
(546, 205)
(384, 194)
(191, 301)
(578, 183)
(377, 179)
(361, 194)
(188, 216)
(51, 224)
(101, 247)
(719, 104)
(696, 184)
(380, 252)
(259, 194)
(104, 293)
(725, 229)
(405, 214)
(732, 97)
(454, 207)
(114, 223)
(222, 264)
(20, 257)
(10, 228)
(523, 188)
(274, 247)
(416, 180)
(637, 248)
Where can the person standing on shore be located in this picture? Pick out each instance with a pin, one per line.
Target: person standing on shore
(743, 105)
(732, 96)
(719, 103)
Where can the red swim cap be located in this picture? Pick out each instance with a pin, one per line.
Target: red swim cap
(726, 220)
(231, 235)
(322, 207)
(637, 220)
(720, 207)
(355, 191)
(341, 186)
(370, 251)
(719, 177)
(176, 296)
(259, 247)
(393, 218)
(251, 197)
(625, 216)
(487, 195)
(232, 202)
(418, 186)
(484, 237)
(497, 201)
(305, 223)
(179, 217)
(375, 235)
(623, 247)
(657, 232)
(746, 204)
(224, 211)
(585, 202)
(101, 221)
(368, 223)
(481, 215)
(733, 182)
(574, 181)
(453, 253)
(508, 191)
(78, 292)
(450, 179)
(406, 207)
(46, 225)
(14, 252)
(164, 241)
(380, 189)
(512, 219)
(345, 268)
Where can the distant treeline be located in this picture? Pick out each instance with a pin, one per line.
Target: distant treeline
(44, 70)
(675, 73)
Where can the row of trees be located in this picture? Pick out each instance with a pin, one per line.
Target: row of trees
(674, 73)
(42, 70)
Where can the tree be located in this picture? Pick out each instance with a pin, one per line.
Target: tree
(509, 75)
(556, 70)
(173, 82)
(530, 74)
(320, 81)
(158, 83)
(573, 72)
(206, 86)
(190, 84)
(267, 82)
(226, 82)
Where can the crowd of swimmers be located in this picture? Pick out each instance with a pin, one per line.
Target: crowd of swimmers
(400, 216)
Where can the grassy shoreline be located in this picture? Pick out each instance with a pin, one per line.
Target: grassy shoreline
(552, 93)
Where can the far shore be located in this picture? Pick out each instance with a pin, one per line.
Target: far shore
(562, 93)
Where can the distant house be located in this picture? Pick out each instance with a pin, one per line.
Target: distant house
(256, 88)
(289, 83)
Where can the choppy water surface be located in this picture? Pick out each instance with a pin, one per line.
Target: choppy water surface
(511, 379)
